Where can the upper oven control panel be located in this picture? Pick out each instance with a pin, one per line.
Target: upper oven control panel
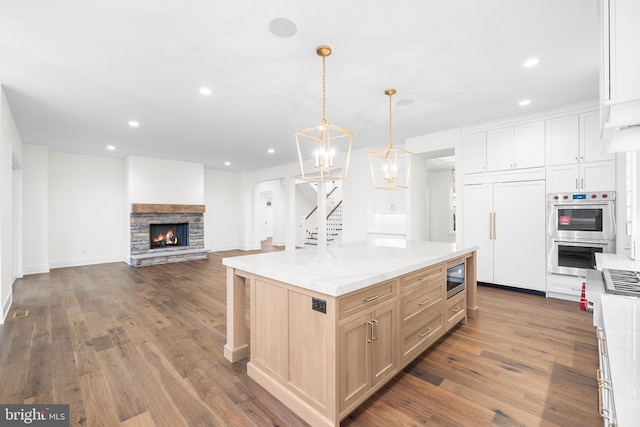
(582, 197)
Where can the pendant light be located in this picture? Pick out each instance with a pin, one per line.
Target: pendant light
(390, 166)
(324, 150)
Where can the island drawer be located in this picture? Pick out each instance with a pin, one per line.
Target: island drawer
(415, 339)
(456, 309)
(360, 300)
(424, 277)
(414, 303)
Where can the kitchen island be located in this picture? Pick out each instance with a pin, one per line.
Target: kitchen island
(330, 326)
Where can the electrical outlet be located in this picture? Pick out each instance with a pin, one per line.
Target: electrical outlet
(318, 304)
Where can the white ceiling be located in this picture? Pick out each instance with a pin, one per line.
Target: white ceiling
(76, 71)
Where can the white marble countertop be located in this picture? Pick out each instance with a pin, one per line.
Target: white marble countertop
(340, 269)
(616, 261)
(621, 317)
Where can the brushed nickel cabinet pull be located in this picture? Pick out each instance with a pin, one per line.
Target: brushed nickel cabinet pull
(370, 331)
(424, 302)
(374, 323)
(371, 299)
(457, 309)
(424, 333)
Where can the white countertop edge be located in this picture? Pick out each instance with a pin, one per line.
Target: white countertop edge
(616, 261)
(621, 317)
(284, 266)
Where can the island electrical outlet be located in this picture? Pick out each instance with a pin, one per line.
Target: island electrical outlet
(318, 304)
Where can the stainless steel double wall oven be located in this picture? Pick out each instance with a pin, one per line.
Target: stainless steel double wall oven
(579, 226)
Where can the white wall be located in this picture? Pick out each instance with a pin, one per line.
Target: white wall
(35, 164)
(439, 183)
(164, 181)
(357, 193)
(86, 201)
(434, 143)
(10, 156)
(221, 217)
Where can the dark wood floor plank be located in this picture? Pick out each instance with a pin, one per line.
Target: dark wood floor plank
(526, 361)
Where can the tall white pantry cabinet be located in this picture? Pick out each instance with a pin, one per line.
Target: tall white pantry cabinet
(505, 199)
(507, 222)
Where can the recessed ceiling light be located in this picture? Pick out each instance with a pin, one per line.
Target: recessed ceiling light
(133, 124)
(227, 163)
(531, 62)
(205, 91)
(111, 147)
(283, 27)
(271, 151)
(524, 102)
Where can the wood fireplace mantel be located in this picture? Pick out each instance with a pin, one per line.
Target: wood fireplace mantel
(164, 208)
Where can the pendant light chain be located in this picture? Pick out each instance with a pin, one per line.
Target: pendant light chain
(390, 123)
(324, 89)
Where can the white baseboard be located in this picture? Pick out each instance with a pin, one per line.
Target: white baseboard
(221, 248)
(87, 261)
(5, 308)
(35, 269)
(254, 247)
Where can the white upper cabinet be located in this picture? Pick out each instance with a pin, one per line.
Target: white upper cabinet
(620, 71)
(590, 143)
(528, 145)
(621, 62)
(562, 140)
(474, 152)
(500, 149)
(588, 176)
(574, 139)
(515, 147)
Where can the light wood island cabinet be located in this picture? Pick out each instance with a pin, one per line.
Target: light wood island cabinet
(324, 344)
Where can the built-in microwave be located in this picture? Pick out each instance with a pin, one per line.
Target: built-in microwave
(455, 277)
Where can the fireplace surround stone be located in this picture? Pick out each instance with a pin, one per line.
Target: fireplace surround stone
(143, 215)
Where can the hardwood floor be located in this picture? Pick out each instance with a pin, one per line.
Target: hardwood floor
(143, 347)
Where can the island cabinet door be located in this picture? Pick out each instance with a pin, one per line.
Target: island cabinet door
(367, 354)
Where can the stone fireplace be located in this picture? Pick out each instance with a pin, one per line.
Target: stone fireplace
(163, 233)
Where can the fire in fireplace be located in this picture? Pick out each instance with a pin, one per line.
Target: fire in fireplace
(168, 235)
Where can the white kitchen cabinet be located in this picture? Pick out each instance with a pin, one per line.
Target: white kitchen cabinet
(631, 230)
(620, 85)
(507, 222)
(621, 64)
(500, 149)
(590, 142)
(515, 147)
(574, 139)
(474, 152)
(528, 145)
(589, 176)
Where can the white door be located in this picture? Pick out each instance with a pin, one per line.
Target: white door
(590, 144)
(598, 176)
(478, 202)
(562, 140)
(528, 145)
(474, 152)
(519, 234)
(500, 149)
(563, 179)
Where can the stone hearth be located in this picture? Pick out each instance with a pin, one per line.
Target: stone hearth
(143, 215)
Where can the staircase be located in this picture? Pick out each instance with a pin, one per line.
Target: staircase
(333, 220)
